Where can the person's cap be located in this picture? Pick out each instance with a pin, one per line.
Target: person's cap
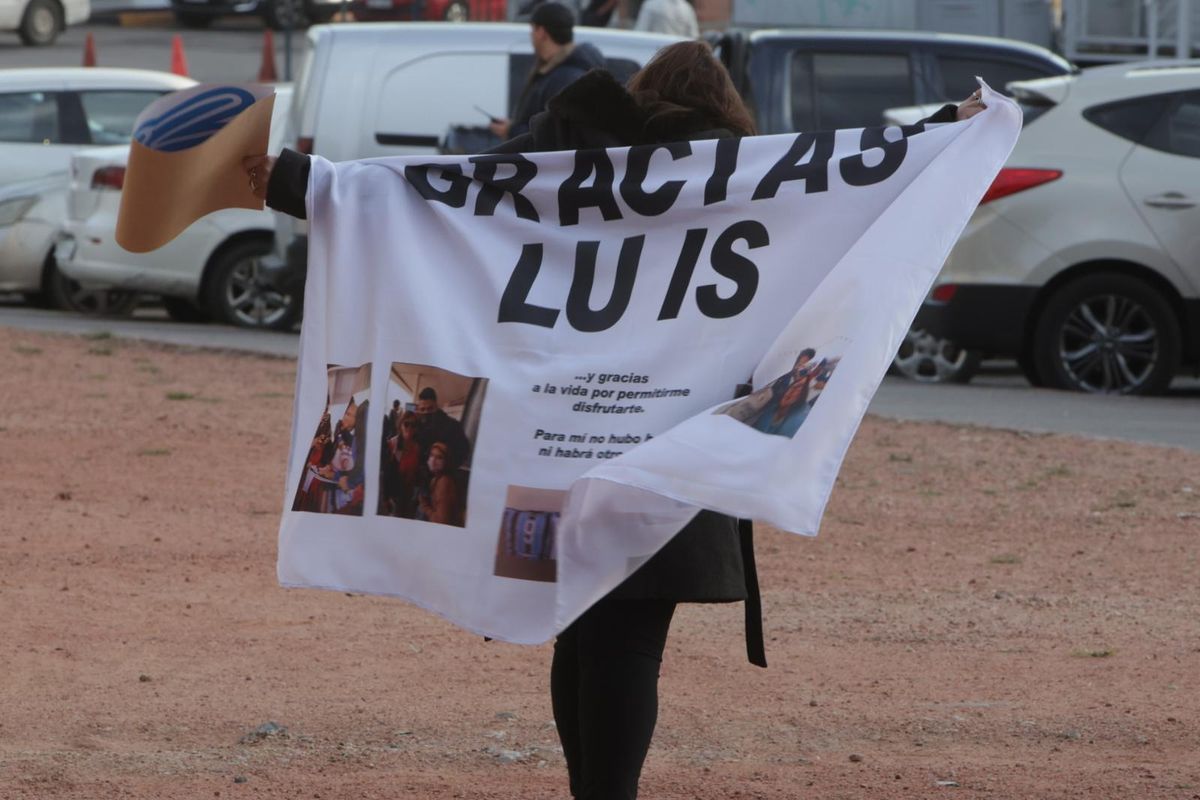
(556, 18)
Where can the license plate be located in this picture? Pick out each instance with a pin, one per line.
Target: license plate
(379, 3)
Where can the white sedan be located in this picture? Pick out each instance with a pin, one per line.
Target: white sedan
(212, 269)
(47, 115)
(31, 214)
(1083, 259)
(39, 22)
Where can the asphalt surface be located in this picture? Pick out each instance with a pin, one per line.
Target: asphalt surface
(997, 398)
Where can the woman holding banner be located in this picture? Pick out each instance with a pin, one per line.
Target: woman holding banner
(604, 676)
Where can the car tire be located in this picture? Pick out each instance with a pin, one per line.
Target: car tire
(457, 11)
(1107, 333)
(276, 14)
(181, 309)
(41, 23)
(926, 358)
(235, 292)
(65, 294)
(190, 19)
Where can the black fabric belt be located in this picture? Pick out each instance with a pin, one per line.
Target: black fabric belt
(756, 651)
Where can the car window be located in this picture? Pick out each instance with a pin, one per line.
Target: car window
(111, 114)
(29, 117)
(958, 74)
(1179, 131)
(847, 90)
(1129, 119)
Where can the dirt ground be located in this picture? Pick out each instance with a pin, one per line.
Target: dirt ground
(985, 615)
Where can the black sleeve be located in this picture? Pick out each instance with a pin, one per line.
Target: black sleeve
(947, 113)
(288, 185)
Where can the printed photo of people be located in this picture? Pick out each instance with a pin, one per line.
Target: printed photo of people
(780, 407)
(429, 433)
(332, 481)
(526, 547)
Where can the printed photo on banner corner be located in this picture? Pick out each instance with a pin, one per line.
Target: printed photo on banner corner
(429, 434)
(782, 406)
(332, 480)
(526, 547)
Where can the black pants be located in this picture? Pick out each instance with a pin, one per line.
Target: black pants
(604, 689)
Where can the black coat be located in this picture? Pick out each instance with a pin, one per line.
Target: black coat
(541, 87)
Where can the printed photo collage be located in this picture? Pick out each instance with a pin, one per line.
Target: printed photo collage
(429, 428)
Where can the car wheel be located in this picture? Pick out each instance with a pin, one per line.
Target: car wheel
(277, 14)
(457, 11)
(66, 294)
(926, 358)
(238, 293)
(1107, 333)
(1028, 367)
(183, 310)
(41, 24)
(192, 20)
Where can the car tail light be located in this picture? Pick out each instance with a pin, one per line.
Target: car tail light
(943, 293)
(109, 178)
(1011, 181)
(305, 145)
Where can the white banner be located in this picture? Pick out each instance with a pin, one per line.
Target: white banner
(517, 373)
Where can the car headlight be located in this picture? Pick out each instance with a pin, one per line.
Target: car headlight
(13, 210)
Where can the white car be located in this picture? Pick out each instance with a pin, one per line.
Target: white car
(1083, 259)
(39, 22)
(31, 214)
(46, 115)
(212, 269)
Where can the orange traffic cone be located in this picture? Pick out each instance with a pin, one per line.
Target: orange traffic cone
(178, 60)
(89, 51)
(267, 73)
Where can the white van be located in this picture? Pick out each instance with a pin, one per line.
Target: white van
(390, 89)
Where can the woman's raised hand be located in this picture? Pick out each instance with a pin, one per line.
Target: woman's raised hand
(258, 170)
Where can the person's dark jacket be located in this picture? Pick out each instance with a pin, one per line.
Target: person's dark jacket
(542, 86)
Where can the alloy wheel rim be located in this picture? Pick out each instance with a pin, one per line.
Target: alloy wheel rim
(1108, 344)
(457, 12)
(254, 302)
(924, 357)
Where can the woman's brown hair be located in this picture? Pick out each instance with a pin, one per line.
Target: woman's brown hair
(686, 78)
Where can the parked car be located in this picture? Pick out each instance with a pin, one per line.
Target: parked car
(39, 22)
(212, 269)
(276, 14)
(819, 79)
(431, 10)
(798, 80)
(1083, 260)
(31, 215)
(412, 82)
(46, 115)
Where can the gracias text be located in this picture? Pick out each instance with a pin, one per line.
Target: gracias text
(593, 184)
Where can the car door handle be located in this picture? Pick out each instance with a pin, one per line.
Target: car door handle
(1170, 200)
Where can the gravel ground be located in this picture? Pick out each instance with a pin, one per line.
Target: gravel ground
(985, 615)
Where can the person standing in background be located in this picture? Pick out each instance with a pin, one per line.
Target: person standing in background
(668, 16)
(559, 63)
